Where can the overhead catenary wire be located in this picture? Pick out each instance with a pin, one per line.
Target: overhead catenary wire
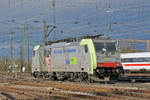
(93, 15)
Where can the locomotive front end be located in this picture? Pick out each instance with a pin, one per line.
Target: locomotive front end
(108, 59)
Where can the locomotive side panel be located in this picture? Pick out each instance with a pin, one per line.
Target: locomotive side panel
(69, 59)
(58, 58)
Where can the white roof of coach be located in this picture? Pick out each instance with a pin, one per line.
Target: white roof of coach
(135, 55)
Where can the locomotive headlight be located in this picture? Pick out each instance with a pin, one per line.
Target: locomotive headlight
(99, 64)
(117, 64)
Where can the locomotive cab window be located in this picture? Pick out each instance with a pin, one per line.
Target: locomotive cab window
(99, 46)
(105, 47)
(111, 47)
(33, 53)
(47, 53)
(85, 48)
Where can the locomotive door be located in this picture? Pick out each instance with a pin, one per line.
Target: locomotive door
(85, 60)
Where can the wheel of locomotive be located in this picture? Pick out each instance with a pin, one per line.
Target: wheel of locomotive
(84, 76)
(90, 80)
(77, 77)
(45, 75)
(37, 75)
(34, 74)
(60, 76)
(52, 76)
(113, 77)
(71, 76)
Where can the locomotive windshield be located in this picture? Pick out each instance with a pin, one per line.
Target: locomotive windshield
(108, 47)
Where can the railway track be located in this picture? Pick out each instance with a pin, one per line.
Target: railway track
(27, 88)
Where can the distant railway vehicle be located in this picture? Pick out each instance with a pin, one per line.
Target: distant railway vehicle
(77, 61)
(136, 62)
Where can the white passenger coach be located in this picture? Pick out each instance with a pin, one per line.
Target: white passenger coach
(139, 61)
